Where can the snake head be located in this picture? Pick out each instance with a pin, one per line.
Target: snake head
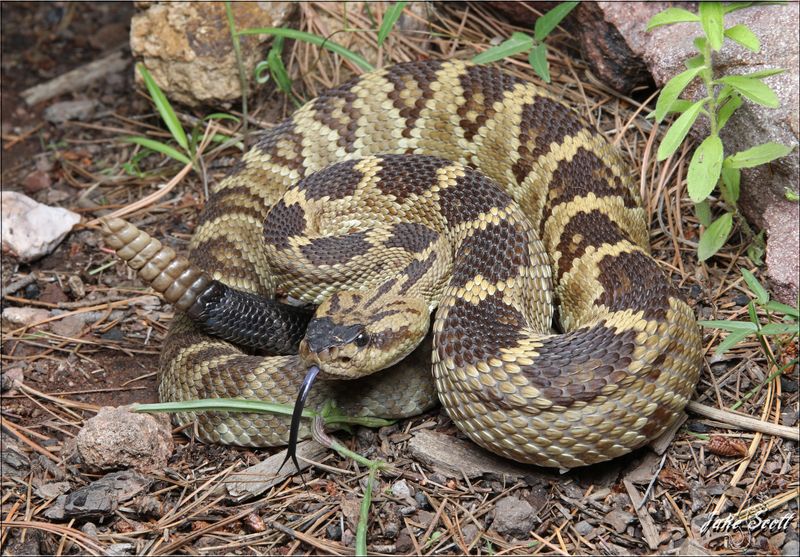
(354, 334)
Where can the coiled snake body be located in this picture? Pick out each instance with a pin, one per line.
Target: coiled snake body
(424, 185)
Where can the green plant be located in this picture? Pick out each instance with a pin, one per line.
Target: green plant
(781, 319)
(187, 144)
(522, 42)
(709, 167)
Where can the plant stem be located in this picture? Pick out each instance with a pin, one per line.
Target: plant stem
(237, 51)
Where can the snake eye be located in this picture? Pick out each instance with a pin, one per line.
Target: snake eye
(361, 340)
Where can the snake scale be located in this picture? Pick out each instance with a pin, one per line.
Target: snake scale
(431, 186)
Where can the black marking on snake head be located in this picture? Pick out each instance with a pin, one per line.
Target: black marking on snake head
(323, 333)
(297, 414)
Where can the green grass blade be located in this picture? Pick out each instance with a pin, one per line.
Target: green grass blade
(762, 296)
(519, 42)
(776, 306)
(164, 108)
(313, 39)
(731, 326)
(389, 19)
(159, 147)
(779, 329)
(730, 341)
(545, 24)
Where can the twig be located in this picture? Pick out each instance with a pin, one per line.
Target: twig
(18, 285)
(743, 422)
(77, 79)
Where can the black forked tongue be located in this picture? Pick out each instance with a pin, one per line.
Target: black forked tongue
(297, 415)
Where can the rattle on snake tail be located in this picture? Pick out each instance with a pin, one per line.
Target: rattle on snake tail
(429, 186)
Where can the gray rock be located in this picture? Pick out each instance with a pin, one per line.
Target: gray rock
(791, 548)
(470, 532)
(401, 490)
(619, 520)
(513, 517)
(118, 438)
(187, 48)
(52, 489)
(763, 200)
(100, 498)
(584, 528)
(70, 110)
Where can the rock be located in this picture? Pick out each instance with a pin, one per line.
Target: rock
(692, 547)
(89, 529)
(453, 457)
(11, 378)
(425, 518)
(31, 230)
(36, 181)
(605, 49)
(76, 286)
(402, 491)
(584, 528)
(470, 533)
(117, 438)
(404, 545)
(13, 460)
(513, 517)
(619, 520)
(52, 490)
(119, 549)
(791, 548)
(63, 111)
(187, 46)
(69, 326)
(334, 531)
(100, 498)
(350, 510)
(763, 200)
(23, 317)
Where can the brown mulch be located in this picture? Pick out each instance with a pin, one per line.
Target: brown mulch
(68, 373)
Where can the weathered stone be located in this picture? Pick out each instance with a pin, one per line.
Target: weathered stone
(513, 517)
(118, 438)
(187, 46)
(22, 317)
(30, 229)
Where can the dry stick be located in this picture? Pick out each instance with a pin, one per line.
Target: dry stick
(79, 78)
(743, 422)
(648, 528)
(25, 439)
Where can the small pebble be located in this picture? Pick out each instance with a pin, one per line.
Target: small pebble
(741, 300)
(787, 385)
(584, 528)
(698, 427)
(334, 532)
(401, 490)
(422, 500)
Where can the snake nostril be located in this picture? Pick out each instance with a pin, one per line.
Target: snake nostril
(345, 360)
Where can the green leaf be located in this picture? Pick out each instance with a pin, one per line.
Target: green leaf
(779, 329)
(703, 212)
(678, 130)
(712, 19)
(790, 194)
(756, 249)
(670, 16)
(164, 108)
(545, 24)
(704, 169)
(762, 296)
(695, 61)
(313, 39)
(733, 6)
(731, 177)
(728, 109)
(732, 326)
(389, 19)
(765, 73)
(519, 42)
(754, 89)
(744, 36)
(538, 61)
(672, 90)
(159, 147)
(775, 305)
(714, 236)
(760, 154)
(699, 43)
(730, 341)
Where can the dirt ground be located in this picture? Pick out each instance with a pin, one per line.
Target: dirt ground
(103, 349)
